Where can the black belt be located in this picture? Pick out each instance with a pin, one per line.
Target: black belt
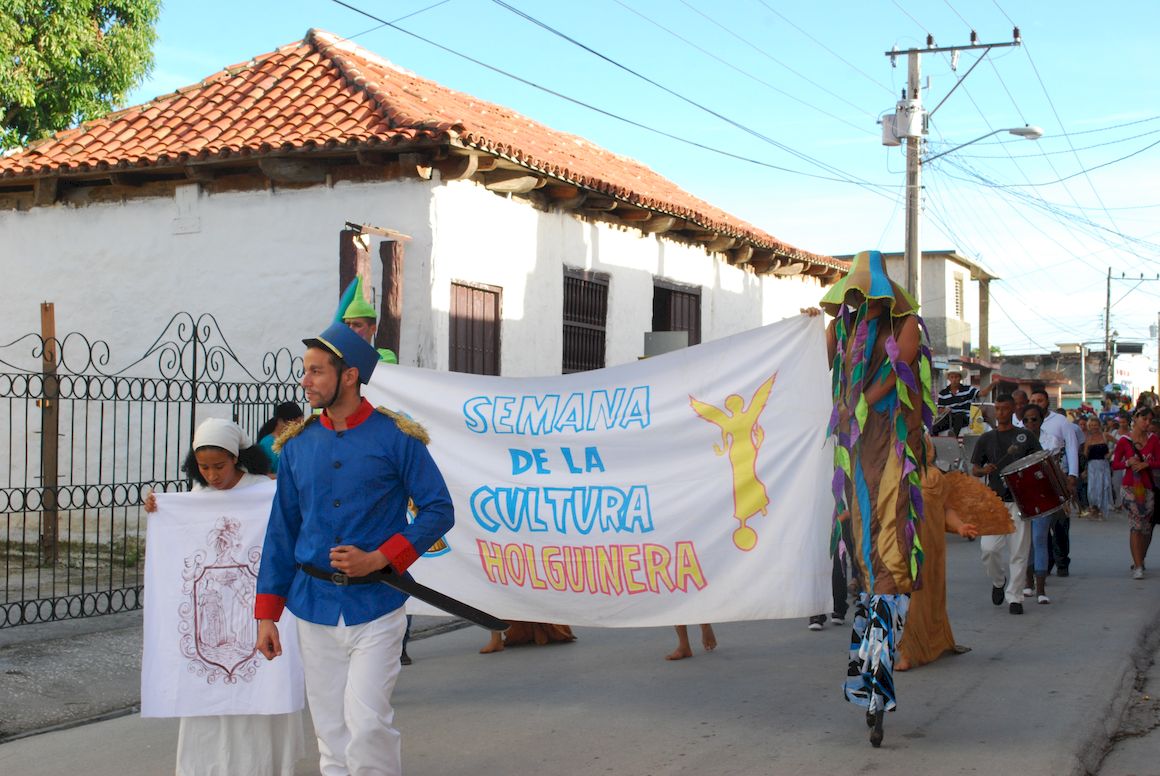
(338, 578)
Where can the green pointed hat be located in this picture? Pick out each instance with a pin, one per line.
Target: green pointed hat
(353, 303)
(868, 276)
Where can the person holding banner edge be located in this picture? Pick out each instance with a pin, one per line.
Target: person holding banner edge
(223, 458)
(880, 366)
(338, 518)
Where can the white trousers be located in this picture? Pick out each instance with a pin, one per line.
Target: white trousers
(350, 674)
(1005, 556)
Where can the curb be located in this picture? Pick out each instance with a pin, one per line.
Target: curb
(1092, 751)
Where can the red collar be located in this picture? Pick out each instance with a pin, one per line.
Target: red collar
(363, 412)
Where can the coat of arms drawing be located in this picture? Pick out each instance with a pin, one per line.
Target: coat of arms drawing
(216, 618)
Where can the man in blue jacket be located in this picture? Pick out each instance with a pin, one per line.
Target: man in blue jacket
(344, 480)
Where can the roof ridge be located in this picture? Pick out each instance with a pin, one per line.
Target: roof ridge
(327, 45)
(344, 54)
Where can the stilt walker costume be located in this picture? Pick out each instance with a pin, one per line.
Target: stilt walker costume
(882, 402)
(344, 490)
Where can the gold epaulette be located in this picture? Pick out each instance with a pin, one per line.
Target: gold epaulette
(409, 427)
(293, 429)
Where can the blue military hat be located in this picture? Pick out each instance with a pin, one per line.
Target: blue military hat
(340, 340)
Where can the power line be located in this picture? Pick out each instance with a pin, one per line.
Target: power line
(1067, 220)
(1054, 153)
(1083, 171)
(743, 72)
(771, 58)
(864, 184)
(838, 56)
(396, 21)
(732, 122)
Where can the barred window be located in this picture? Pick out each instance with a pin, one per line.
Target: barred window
(677, 308)
(585, 320)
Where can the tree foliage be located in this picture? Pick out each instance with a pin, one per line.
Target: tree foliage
(65, 61)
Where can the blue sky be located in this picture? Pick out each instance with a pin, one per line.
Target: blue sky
(800, 86)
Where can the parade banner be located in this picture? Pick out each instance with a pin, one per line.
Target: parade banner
(687, 488)
(199, 629)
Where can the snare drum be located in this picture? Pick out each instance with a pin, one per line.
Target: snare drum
(1037, 484)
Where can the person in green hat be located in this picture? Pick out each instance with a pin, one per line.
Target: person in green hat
(356, 312)
(881, 379)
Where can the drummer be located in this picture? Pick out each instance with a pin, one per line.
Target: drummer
(1004, 556)
(955, 400)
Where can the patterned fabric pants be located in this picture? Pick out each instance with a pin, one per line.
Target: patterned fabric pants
(878, 622)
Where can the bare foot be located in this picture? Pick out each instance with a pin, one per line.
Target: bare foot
(494, 645)
(708, 638)
(901, 664)
(680, 653)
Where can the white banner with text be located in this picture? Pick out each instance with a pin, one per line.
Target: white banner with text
(687, 488)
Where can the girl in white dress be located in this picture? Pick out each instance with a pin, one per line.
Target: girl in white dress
(223, 458)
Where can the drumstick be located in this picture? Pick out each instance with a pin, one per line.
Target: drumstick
(1010, 450)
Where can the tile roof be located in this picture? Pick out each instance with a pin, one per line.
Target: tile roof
(326, 94)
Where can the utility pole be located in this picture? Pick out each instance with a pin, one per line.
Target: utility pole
(914, 177)
(1108, 360)
(910, 122)
(1109, 345)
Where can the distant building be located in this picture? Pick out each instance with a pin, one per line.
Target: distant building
(951, 289)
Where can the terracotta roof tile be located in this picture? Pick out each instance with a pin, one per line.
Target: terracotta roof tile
(327, 92)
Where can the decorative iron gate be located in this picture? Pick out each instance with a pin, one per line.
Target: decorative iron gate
(83, 444)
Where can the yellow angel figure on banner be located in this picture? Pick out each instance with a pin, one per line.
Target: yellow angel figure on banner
(741, 438)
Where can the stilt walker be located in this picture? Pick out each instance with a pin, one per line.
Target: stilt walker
(882, 403)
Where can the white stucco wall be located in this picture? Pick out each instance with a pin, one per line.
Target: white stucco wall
(483, 238)
(265, 264)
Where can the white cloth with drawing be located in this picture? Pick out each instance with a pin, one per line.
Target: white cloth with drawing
(239, 712)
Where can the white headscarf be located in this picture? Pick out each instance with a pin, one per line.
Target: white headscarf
(215, 432)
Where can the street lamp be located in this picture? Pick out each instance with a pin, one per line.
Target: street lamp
(1029, 132)
(914, 162)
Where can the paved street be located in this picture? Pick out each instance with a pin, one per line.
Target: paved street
(1038, 694)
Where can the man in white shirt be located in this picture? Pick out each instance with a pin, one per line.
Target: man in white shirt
(1062, 430)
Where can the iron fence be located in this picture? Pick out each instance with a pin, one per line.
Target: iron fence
(83, 444)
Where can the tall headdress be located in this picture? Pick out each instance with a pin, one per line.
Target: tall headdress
(353, 303)
(868, 277)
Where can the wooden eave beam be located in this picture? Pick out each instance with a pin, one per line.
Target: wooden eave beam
(721, 243)
(633, 216)
(458, 168)
(740, 255)
(658, 224)
(512, 181)
(199, 173)
(285, 170)
(762, 263)
(557, 196)
(125, 179)
(416, 165)
(45, 191)
(368, 158)
(600, 203)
